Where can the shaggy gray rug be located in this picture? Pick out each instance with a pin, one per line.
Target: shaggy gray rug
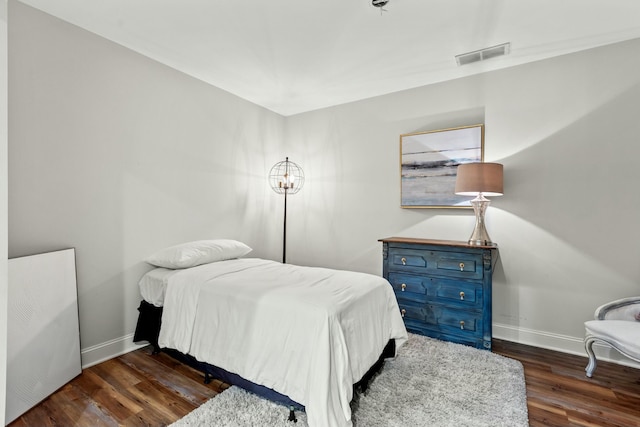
(430, 383)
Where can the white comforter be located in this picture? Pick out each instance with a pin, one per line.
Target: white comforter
(309, 333)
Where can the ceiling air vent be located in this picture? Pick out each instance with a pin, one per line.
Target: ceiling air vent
(483, 54)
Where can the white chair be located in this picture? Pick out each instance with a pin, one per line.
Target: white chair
(616, 324)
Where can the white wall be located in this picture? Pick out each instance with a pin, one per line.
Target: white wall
(566, 130)
(120, 156)
(117, 156)
(3, 207)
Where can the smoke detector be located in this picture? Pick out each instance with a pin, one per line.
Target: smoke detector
(483, 54)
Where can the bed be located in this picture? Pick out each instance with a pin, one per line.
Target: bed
(306, 333)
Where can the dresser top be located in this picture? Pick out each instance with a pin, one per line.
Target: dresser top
(435, 242)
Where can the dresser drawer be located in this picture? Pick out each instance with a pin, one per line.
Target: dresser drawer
(458, 265)
(458, 293)
(408, 260)
(450, 264)
(423, 289)
(415, 288)
(442, 318)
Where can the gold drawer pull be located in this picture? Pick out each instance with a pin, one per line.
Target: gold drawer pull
(461, 266)
(403, 286)
(462, 296)
(462, 324)
(403, 312)
(404, 261)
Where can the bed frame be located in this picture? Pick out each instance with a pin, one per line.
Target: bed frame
(148, 329)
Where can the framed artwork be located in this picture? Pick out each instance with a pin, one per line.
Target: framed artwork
(429, 162)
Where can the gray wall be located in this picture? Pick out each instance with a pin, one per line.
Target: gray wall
(118, 156)
(566, 130)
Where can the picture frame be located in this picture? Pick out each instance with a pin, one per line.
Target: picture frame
(429, 162)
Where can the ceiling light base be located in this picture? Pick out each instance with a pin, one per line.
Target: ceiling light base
(379, 3)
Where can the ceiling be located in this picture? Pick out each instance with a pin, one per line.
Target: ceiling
(292, 56)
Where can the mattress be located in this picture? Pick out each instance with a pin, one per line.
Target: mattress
(153, 285)
(308, 333)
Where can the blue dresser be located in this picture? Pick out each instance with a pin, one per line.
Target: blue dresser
(443, 287)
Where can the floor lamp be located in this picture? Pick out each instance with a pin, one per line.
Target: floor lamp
(480, 180)
(286, 178)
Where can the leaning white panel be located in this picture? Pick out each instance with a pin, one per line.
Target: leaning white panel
(43, 337)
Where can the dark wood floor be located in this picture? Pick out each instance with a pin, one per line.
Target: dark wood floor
(559, 393)
(141, 389)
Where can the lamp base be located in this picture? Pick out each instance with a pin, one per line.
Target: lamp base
(480, 237)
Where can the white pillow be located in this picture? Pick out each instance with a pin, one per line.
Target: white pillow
(199, 252)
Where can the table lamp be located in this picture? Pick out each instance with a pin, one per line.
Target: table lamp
(480, 180)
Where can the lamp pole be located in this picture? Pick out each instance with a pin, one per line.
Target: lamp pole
(284, 234)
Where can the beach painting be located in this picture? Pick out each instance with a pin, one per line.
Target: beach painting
(429, 162)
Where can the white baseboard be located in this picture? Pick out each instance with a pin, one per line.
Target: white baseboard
(557, 342)
(562, 343)
(108, 350)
